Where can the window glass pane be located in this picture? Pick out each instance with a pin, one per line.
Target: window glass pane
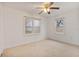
(36, 23)
(29, 23)
(28, 26)
(36, 26)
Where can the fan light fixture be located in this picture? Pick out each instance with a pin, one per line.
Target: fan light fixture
(46, 10)
(46, 7)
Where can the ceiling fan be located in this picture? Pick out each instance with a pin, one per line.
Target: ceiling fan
(46, 7)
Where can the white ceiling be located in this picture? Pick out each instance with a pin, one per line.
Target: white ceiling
(30, 7)
(25, 6)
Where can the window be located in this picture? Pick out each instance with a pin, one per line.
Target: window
(32, 25)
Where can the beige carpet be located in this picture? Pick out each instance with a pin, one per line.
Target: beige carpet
(44, 48)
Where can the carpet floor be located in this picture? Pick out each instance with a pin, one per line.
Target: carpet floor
(44, 48)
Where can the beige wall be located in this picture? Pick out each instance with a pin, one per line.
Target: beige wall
(1, 29)
(12, 28)
(71, 19)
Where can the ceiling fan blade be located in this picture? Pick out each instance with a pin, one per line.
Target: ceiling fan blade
(54, 7)
(40, 12)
